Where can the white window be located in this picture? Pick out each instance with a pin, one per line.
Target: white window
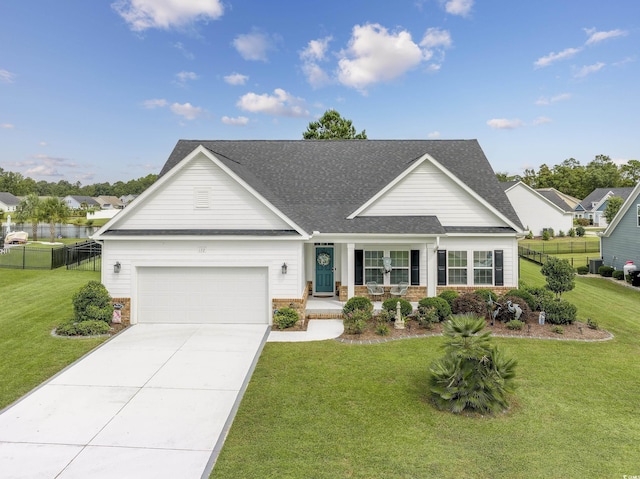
(400, 265)
(373, 266)
(457, 267)
(483, 267)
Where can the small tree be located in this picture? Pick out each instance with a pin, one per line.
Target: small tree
(560, 275)
(332, 126)
(54, 211)
(614, 203)
(92, 302)
(30, 209)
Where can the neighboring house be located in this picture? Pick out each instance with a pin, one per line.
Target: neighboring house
(537, 210)
(126, 199)
(109, 202)
(620, 242)
(8, 202)
(593, 206)
(76, 202)
(232, 230)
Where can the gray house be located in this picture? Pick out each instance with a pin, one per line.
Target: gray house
(8, 202)
(593, 206)
(620, 242)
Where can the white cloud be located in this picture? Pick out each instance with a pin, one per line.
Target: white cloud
(505, 124)
(186, 110)
(6, 76)
(43, 143)
(554, 57)
(596, 36)
(541, 120)
(280, 103)
(187, 54)
(183, 77)
(588, 70)
(45, 165)
(316, 50)
(166, 14)
(43, 170)
(433, 135)
(458, 7)
(154, 103)
(374, 54)
(236, 79)
(549, 100)
(7, 126)
(238, 121)
(254, 46)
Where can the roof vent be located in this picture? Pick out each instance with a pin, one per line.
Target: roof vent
(202, 198)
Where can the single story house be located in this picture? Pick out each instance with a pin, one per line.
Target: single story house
(620, 242)
(8, 202)
(109, 202)
(232, 230)
(539, 210)
(593, 206)
(78, 202)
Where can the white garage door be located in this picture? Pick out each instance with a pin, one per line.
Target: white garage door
(202, 295)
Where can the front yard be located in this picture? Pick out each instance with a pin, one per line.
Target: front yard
(333, 410)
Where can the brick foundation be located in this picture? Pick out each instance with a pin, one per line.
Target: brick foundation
(125, 312)
(499, 290)
(299, 304)
(414, 293)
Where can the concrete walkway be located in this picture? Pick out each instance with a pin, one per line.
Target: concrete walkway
(317, 330)
(154, 402)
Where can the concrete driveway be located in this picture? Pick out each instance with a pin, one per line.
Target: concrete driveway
(154, 402)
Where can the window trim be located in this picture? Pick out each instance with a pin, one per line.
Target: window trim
(464, 268)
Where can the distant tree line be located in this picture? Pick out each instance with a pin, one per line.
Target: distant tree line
(19, 185)
(572, 178)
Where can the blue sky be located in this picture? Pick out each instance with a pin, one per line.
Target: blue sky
(95, 91)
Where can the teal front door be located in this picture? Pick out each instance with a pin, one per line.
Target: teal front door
(324, 270)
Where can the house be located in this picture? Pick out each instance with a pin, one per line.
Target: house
(8, 202)
(620, 242)
(593, 206)
(232, 230)
(76, 202)
(126, 199)
(539, 209)
(109, 202)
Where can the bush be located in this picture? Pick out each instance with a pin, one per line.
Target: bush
(540, 295)
(572, 232)
(92, 302)
(580, 231)
(427, 316)
(529, 235)
(546, 236)
(391, 305)
(89, 327)
(382, 329)
(559, 311)
(439, 304)
(582, 222)
(469, 303)
(505, 315)
(515, 324)
(358, 303)
(385, 316)
(558, 329)
(582, 270)
(485, 294)
(561, 234)
(356, 321)
(591, 324)
(606, 271)
(285, 318)
(618, 274)
(525, 296)
(448, 295)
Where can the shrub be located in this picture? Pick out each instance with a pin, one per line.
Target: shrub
(529, 235)
(526, 296)
(582, 270)
(385, 316)
(515, 324)
(505, 315)
(592, 324)
(427, 316)
(89, 327)
(358, 303)
(285, 318)
(561, 234)
(546, 236)
(560, 275)
(469, 303)
(606, 271)
(449, 295)
(382, 329)
(356, 321)
(439, 304)
(582, 222)
(572, 232)
(618, 274)
(391, 304)
(559, 311)
(485, 294)
(580, 231)
(552, 233)
(558, 329)
(539, 294)
(92, 302)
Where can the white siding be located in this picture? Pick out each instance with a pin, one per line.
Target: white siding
(427, 191)
(536, 213)
(181, 203)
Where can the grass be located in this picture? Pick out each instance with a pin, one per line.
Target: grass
(331, 410)
(33, 303)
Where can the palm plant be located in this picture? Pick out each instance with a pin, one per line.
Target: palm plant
(473, 375)
(55, 211)
(30, 209)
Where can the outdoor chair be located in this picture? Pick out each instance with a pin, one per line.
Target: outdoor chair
(375, 290)
(400, 289)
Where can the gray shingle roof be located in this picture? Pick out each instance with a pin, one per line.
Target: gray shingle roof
(599, 193)
(9, 199)
(319, 183)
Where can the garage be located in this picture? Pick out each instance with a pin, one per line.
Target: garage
(202, 295)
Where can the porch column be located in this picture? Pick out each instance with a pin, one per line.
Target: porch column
(351, 267)
(432, 268)
(424, 265)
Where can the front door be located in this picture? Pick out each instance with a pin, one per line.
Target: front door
(324, 270)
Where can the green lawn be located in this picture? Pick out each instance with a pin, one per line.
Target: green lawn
(331, 410)
(33, 303)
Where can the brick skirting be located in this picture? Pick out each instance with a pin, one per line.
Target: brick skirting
(125, 312)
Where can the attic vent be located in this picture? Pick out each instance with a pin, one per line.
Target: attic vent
(201, 198)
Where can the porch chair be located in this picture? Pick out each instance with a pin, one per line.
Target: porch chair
(400, 289)
(375, 290)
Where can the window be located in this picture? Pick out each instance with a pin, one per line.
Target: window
(483, 267)
(457, 262)
(400, 265)
(373, 266)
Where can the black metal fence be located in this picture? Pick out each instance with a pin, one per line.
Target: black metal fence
(85, 256)
(562, 247)
(541, 258)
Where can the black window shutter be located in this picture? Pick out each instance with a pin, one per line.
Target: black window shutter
(359, 267)
(415, 267)
(442, 267)
(498, 258)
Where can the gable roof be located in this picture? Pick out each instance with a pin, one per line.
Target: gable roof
(9, 199)
(560, 199)
(597, 195)
(630, 200)
(84, 199)
(319, 183)
(508, 185)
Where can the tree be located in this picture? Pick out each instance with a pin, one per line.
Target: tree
(602, 172)
(54, 211)
(560, 275)
(614, 203)
(331, 126)
(473, 375)
(630, 173)
(30, 209)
